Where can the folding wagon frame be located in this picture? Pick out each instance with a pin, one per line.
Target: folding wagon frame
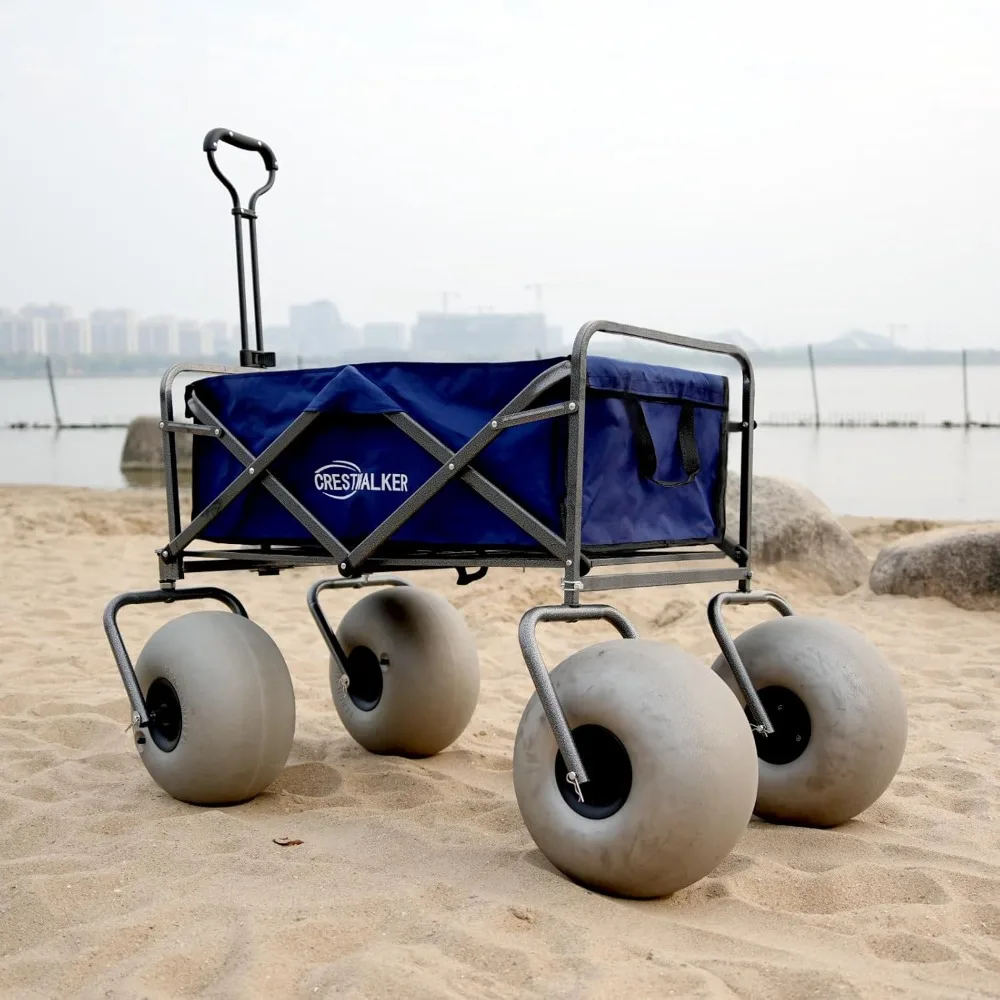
(357, 564)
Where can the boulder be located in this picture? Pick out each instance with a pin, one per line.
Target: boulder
(792, 526)
(143, 448)
(960, 564)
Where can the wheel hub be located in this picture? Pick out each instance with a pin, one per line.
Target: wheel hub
(364, 672)
(792, 726)
(608, 768)
(164, 710)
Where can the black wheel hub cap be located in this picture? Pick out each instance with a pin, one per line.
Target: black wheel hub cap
(792, 726)
(164, 710)
(365, 675)
(608, 768)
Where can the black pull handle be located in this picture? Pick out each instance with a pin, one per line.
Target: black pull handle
(240, 141)
(690, 460)
(249, 357)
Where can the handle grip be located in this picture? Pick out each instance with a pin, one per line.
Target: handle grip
(240, 141)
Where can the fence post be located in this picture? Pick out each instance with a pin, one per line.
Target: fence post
(52, 391)
(812, 372)
(965, 386)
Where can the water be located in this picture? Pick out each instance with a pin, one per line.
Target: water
(892, 472)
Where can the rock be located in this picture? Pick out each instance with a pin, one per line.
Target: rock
(791, 525)
(960, 564)
(143, 448)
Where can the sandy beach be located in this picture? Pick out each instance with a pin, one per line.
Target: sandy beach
(417, 878)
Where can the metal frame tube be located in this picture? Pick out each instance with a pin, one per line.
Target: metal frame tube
(577, 774)
(574, 456)
(339, 583)
(761, 721)
(120, 653)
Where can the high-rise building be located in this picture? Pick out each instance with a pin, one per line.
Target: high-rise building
(157, 335)
(318, 330)
(22, 335)
(279, 339)
(314, 327)
(69, 336)
(113, 331)
(480, 335)
(223, 337)
(51, 313)
(387, 335)
(193, 339)
(61, 332)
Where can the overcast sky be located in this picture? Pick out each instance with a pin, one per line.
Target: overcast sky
(789, 169)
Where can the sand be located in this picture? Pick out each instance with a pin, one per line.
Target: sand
(417, 878)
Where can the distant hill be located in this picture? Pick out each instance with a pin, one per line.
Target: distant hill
(738, 338)
(859, 340)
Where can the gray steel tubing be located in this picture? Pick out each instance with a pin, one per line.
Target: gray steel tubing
(169, 448)
(540, 675)
(575, 456)
(120, 653)
(730, 652)
(339, 583)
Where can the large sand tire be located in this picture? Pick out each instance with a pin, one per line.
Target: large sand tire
(413, 672)
(838, 713)
(671, 765)
(223, 708)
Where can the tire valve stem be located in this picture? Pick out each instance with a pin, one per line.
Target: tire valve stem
(574, 781)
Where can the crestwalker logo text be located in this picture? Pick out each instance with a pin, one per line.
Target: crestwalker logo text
(340, 480)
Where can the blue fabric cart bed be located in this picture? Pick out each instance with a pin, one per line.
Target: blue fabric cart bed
(654, 461)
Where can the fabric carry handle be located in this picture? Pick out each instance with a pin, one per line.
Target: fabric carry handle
(646, 450)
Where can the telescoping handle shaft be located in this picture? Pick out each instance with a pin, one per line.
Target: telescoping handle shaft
(249, 357)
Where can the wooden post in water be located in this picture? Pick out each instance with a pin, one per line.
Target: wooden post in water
(812, 372)
(965, 385)
(52, 391)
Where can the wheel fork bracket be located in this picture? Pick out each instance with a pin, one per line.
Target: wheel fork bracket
(576, 772)
(140, 719)
(343, 583)
(761, 723)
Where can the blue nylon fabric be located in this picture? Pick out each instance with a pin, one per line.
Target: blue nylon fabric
(351, 468)
(350, 392)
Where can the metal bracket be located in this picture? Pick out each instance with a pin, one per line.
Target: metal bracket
(577, 774)
(139, 717)
(762, 724)
(340, 583)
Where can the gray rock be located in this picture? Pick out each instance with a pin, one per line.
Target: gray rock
(792, 526)
(143, 448)
(960, 564)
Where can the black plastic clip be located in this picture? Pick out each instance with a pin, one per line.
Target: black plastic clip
(465, 577)
(249, 358)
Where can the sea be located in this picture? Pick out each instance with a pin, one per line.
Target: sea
(907, 472)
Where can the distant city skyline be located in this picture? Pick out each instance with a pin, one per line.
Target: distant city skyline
(313, 328)
(317, 328)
